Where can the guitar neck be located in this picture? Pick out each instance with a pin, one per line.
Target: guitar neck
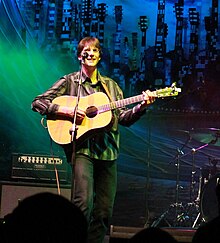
(121, 103)
(127, 101)
(166, 92)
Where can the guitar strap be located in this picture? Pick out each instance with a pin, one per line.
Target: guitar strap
(107, 91)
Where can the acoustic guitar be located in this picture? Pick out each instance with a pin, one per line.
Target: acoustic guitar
(97, 108)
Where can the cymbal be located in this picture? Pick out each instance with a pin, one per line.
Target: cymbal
(206, 135)
(179, 132)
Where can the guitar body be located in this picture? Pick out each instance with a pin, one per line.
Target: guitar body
(60, 129)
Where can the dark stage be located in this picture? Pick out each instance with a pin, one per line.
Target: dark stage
(13, 192)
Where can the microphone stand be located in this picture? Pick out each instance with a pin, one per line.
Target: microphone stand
(73, 132)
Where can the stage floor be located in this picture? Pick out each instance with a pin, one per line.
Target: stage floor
(123, 234)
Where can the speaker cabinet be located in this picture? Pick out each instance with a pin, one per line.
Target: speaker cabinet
(12, 193)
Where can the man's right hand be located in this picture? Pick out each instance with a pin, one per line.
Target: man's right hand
(80, 115)
(69, 112)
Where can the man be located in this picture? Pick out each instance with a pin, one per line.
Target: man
(94, 157)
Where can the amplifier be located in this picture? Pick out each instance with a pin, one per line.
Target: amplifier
(37, 167)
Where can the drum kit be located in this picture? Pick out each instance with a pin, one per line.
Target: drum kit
(203, 205)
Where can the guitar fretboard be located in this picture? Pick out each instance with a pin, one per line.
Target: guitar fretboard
(121, 103)
(166, 92)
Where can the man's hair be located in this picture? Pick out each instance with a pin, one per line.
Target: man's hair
(88, 41)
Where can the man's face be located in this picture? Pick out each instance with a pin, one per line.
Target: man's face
(91, 55)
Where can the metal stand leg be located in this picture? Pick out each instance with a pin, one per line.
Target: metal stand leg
(196, 220)
(157, 221)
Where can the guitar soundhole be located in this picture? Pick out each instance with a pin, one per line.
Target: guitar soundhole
(91, 111)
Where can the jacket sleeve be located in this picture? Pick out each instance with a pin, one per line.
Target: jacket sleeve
(124, 116)
(43, 102)
(128, 117)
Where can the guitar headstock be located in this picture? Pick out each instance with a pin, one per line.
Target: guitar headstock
(168, 91)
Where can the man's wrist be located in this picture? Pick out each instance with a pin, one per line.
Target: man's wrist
(139, 109)
(65, 111)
